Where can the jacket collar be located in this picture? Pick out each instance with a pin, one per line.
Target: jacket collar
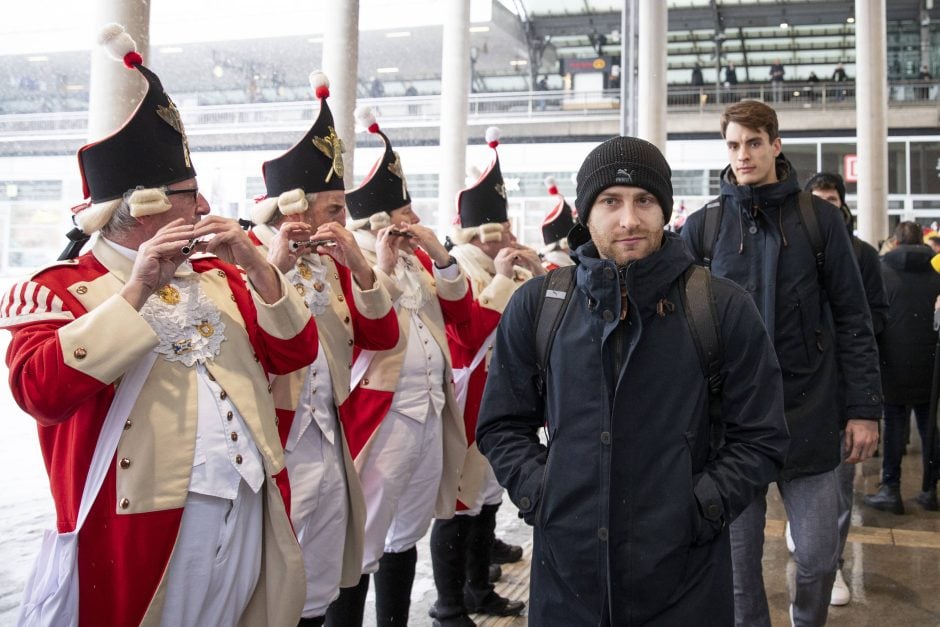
(761, 196)
(910, 258)
(647, 279)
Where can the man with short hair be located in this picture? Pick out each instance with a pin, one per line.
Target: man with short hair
(831, 188)
(629, 500)
(167, 358)
(815, 310)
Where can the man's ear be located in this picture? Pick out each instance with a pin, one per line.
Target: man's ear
(778, 147)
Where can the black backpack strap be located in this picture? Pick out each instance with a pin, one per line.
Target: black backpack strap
(702, 317)
(556, 294)
(713, 211)
(810, 224)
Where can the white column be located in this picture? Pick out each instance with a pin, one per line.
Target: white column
(871, 105)
(651, 73)
(115, 91)
(628, 28)
(455, 90)
(341, 65)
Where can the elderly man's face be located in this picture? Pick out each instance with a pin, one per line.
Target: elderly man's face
(626, 224)
(329, 206)
(186, 202)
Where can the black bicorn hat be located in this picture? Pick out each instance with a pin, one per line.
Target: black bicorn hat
(560, 219)
(315, 163)
(385, 187)
(149, 150)
(484, 201)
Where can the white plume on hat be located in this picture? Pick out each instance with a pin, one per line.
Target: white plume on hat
(116, 41)
(365, 117)
(318, 79)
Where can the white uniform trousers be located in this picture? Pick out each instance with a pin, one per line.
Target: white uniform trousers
(400, 479)
(491, 493)
(319, 511)
(217, 560)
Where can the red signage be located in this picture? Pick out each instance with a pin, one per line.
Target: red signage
(850, 167)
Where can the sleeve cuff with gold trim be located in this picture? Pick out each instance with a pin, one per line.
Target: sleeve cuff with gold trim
(105, 342)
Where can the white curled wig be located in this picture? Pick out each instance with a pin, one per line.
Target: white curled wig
(291, 202)
(376, 221)
(143, 201)
(489, 232)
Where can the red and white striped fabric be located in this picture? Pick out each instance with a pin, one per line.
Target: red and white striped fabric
(29, 301)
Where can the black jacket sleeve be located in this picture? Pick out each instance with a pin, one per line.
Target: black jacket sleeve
(870, 266)
(512, 413)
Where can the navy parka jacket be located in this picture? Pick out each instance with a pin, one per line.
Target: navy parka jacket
(908, 341)
(820, 322)
(625, 503)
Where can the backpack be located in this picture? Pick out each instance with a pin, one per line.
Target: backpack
(698, 304)
(808, 221)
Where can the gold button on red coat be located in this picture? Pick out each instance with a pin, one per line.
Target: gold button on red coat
(234, 437)
(80, 353)
(238, 459)
(229, 416)
(223, 395)
(81, 289)
(125, 463)
(365, 382)
(349, 341)
(124, 503)
(128, 424)
(340, 298)
(220, 273)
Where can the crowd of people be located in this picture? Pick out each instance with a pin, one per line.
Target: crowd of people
(260, 422)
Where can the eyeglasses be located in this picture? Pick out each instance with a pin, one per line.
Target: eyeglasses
(191, 190)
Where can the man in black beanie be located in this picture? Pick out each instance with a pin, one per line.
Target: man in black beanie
(629, 501)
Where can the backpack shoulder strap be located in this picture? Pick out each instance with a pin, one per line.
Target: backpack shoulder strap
(702, 317)
(556, 294)
(811, 226)
(709, 236)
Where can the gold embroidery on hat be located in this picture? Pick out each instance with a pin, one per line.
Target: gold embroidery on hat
(501, 189)
(395, 168)
(205, 329)
(332, 146)
(169, 294)
(171, 115)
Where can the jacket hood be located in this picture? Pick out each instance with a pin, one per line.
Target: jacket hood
(647, 279)
(762, 195)
(910, 258)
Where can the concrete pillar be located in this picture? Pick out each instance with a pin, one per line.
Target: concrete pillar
(115, 91)
(455, 90)
(341, 66)
(628, 97)
(871, 104)
(651, 72)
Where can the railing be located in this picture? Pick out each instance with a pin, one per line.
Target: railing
(425, 111)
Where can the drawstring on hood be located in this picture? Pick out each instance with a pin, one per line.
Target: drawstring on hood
(753, 198)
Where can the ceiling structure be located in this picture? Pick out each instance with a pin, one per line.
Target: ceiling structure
(523, 38)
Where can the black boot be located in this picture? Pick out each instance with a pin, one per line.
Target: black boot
(479, 596)
(448, 545)
(505, 553)
(315, 621)
(887, 499)
(393, 583)
(348, 609)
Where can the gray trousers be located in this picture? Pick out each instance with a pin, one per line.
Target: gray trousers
(845, 475)
(812, 505)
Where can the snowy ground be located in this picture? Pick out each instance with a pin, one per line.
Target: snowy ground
(26, 510)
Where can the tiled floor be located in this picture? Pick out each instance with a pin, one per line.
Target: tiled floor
(892, 563)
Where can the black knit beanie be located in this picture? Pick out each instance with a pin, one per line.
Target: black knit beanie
(624, 161)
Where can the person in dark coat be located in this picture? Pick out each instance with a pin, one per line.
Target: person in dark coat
(830, 187)
(630, 505)
(907, 348)
(821, 328)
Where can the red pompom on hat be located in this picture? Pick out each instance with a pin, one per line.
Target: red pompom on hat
(320, 84)
(492, 136)
(551, 185)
